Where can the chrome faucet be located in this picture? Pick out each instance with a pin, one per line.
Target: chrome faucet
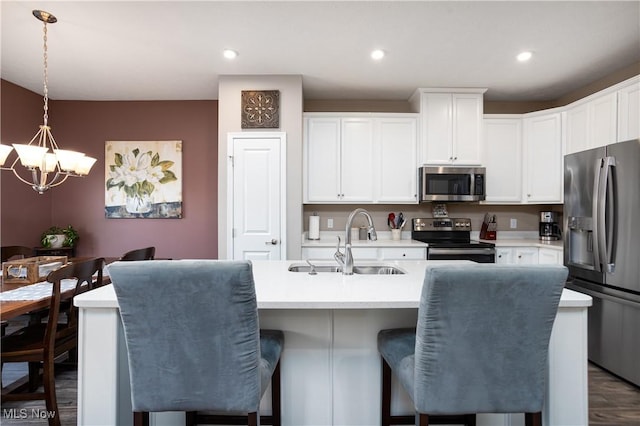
(345, 260)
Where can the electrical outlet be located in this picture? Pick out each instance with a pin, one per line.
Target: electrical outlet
(514, 223)
(330, 223)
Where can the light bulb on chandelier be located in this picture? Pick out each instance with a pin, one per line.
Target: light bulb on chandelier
(35, 155)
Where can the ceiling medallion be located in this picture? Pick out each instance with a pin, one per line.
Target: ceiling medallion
(260, 109)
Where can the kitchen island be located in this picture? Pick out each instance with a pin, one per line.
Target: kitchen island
(330, 365)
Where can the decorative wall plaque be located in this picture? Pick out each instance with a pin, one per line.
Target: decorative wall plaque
(261, 109)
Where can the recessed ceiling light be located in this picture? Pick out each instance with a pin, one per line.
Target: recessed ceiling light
(230, 53)
(524, 56)
(377, 54)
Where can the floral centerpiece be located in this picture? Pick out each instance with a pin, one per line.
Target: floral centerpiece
(137, 174)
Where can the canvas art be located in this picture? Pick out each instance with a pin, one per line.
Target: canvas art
(143, 179)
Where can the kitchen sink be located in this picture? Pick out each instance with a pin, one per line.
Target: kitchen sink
(377, 270)
(317, 268)
(360, 270)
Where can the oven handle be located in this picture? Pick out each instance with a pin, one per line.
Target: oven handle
(437, 251)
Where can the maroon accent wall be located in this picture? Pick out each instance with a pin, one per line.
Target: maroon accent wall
(85, 126)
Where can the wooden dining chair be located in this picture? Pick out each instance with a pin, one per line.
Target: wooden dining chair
(7, 252)
(41, 343)
(480, 345)
(147, 253)
(213, 358)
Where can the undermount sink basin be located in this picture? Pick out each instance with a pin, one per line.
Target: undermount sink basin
(318, 268)
(361, 270)
(377, 270)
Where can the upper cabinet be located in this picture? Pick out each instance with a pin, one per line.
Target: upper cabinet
(609, 116)
(396, 142)
(350, 158)
(503, 158)
(542, 158)
(591, 122)
(629, 109)
(451, 125)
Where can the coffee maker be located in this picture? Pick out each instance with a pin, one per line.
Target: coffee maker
(549, 227)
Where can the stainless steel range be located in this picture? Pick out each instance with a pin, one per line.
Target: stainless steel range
(450, 239)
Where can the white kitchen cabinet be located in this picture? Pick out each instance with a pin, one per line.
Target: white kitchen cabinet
(502, 151)
(402, 253)
(525, 255)
(451, 125)
(629, 110)
(517, 255)
(550, 256)
(396, 140)
(542, 158)
(350, 158)
(591, 122)
(504, 255)
(322, 159)
(356, 156)
(335, 151)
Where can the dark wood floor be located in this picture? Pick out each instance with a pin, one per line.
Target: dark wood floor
(612, 402)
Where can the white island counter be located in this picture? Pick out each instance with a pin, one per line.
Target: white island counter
(330, 365)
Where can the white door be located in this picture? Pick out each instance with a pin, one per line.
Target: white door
(258, 196)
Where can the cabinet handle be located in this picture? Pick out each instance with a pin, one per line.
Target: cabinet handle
(455, 158)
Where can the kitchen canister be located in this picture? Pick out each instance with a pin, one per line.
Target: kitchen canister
(314, 227)
(355, 234)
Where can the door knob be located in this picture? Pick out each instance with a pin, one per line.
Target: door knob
(272, 242)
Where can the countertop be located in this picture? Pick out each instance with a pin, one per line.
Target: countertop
(508, 239)
(277, 288)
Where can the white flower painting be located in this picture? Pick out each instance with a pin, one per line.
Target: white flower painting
(143, 179)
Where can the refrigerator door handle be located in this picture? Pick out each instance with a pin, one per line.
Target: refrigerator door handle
(595, 214)
(604, 229)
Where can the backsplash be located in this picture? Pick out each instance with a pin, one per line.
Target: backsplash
(526, 216)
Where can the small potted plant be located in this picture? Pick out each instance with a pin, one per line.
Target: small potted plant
(56, 237)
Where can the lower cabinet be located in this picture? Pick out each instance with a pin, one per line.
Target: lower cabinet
(550, 256)
(528, 256)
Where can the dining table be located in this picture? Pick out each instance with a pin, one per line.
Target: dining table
(32, 301)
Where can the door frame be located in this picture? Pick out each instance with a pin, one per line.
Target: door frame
(282, 136)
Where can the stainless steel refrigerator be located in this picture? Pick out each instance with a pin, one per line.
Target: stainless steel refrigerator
(602, 250)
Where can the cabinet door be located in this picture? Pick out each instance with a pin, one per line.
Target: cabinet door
(467, 128)
(526, 255)
(543, 162)
(577, 124)
(504, 255)
(550, 256)
(503, 159)
(602, 120)
(396, 144)
(322, 160)
(357, 160)
(437, 120)
(629, 112)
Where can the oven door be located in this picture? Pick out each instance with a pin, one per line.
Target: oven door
(475, 254)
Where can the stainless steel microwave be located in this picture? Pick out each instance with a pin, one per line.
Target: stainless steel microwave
(451, 183)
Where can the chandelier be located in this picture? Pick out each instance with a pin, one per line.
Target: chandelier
(35, 156)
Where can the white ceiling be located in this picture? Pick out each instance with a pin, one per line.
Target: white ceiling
(123, 50)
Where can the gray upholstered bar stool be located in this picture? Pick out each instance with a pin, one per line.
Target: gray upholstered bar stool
(480, 345)
(211, 356)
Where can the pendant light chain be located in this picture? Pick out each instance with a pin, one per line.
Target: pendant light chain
(46, 77)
